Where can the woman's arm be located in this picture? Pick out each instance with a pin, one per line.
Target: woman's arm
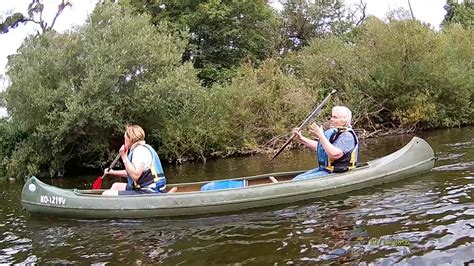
(311, 144)
(332, 151)
(121, 173)
(131, 170)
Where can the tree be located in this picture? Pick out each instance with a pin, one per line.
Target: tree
(71, 92)
(35, 15)
(398, 14)
(401, 74)
(222, 34)
(3, 82)
(459, 12)
(304, 20)
(10, 136)
(2, 99)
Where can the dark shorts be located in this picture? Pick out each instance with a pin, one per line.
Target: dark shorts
(137, 192)
(130, 191)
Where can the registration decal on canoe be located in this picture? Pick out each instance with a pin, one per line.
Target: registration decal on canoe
(52, 200)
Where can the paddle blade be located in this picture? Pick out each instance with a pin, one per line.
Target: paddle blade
(97, 183)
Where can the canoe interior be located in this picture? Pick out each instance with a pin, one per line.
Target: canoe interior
(194, 187)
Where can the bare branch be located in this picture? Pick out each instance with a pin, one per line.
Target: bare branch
(34, 14)
(362, 7)
(411, 10)
(60, 10)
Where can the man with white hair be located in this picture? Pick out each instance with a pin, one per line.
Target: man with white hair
(337, 147)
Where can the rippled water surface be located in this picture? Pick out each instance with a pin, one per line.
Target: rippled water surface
(427, 219)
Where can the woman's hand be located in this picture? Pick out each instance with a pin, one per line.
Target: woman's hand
(317, 130)
(108, 171)
(122, 150)
(297, 133)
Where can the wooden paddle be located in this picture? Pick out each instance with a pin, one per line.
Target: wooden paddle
(98, 182)
(305, 122)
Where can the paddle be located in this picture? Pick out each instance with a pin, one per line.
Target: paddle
(98, 182)
(305, 122)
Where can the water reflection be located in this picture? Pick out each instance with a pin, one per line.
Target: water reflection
(427, 219)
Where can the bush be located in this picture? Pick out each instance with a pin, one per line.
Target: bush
(10, 137)
(71, 92)
(400, 74)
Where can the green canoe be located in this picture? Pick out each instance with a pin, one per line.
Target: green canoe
(262, 190)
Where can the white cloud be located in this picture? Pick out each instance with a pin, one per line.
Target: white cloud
(70, 17)
(428, 11)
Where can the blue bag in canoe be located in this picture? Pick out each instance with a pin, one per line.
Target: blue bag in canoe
(225, 184)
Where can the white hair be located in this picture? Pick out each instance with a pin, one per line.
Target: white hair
(345, 112)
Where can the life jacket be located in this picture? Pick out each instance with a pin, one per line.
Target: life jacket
(154, 175)
(348, 161)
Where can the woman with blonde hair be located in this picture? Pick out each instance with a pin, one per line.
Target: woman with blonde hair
(143, 168)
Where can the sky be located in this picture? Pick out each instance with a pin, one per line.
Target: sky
(430, 11)
(69, 18)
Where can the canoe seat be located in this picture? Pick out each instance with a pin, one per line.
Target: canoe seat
(273, 179)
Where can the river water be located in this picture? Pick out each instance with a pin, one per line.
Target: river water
(426, 219)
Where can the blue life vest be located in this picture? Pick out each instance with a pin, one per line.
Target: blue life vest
(348, 161)
(154, 175)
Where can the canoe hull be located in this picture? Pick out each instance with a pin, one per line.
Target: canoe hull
(38, 198)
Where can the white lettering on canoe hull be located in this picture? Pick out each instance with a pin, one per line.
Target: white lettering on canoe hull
(53, 200)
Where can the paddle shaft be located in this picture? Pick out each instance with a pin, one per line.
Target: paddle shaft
(112, 164)
(305, 122)
(98, 182)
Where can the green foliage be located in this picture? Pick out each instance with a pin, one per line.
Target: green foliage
(400, 74)
(453, 71)
(2, 99)
(412, 73)
(331, 63)
(394, 54)
(459, 12)
(222, 33)
(71, 94)
(72, 91)
(241, 118)
(266, 103)
(11, 22)
(35, 15)
(10, 136)
(304, 20)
